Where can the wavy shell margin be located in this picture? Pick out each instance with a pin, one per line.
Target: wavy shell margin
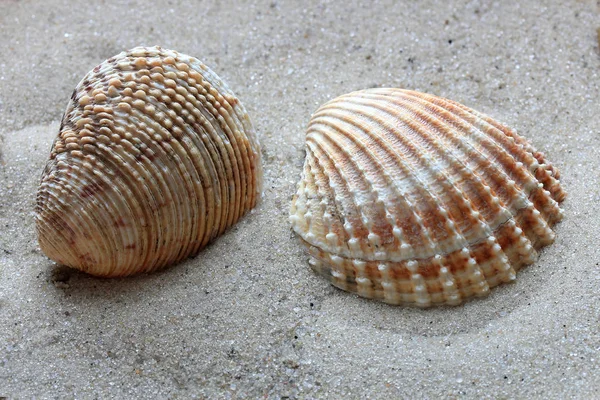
(409, 198)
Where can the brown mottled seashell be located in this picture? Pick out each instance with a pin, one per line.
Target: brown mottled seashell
(410, 198)
(155, 158)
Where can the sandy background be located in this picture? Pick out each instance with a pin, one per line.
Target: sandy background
(247, 318)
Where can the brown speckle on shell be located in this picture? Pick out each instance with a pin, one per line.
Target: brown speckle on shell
(155, 157)
(409, 198)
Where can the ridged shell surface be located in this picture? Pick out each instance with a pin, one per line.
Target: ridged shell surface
(155, 157)
(409, 198)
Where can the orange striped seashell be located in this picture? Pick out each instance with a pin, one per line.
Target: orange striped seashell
(155, 158)
(410, 198)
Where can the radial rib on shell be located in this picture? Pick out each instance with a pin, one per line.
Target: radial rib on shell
(155, 157)
(410, 198)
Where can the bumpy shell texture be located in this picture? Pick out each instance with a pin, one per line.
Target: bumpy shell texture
(155, 157)
(409, 198)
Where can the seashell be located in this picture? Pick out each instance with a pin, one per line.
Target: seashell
(410, 198)
(155, 158)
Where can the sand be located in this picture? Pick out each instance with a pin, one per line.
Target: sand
(247, 317)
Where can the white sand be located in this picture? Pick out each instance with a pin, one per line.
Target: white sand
(247, 317)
